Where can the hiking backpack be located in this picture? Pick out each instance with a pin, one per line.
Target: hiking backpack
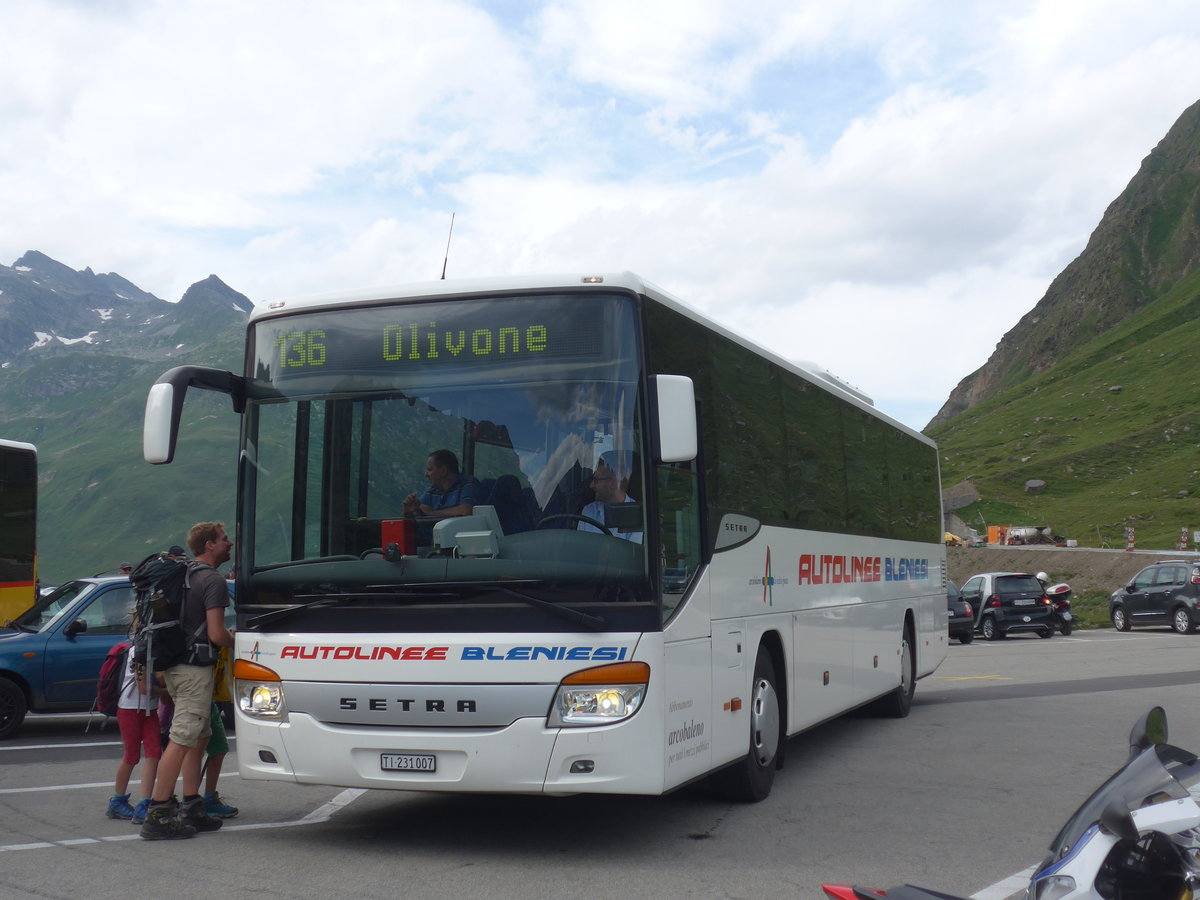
(112, 678)
(159, 642)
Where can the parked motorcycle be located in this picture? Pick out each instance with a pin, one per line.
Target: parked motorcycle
(1060, 596)
(1136, 838)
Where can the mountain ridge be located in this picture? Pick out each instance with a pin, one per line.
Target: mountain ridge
(78, 354)
(1147, 240)
(1084, 417)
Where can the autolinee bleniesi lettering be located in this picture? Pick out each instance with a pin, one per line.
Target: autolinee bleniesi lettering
(412, 341)
(521, 654)
(303, 651)
(833, 569)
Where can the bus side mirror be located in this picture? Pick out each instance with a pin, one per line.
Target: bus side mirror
(160, 426)
(675, 401)
(164, 405)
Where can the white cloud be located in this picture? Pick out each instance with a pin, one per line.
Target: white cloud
(900, 179)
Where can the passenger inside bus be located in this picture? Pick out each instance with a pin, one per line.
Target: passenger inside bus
(611, 487)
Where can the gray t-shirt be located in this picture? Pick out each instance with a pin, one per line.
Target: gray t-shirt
(206, 591)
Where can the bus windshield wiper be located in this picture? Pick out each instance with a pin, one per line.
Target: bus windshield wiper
(284, 613)
(318, 600)
(595, 623)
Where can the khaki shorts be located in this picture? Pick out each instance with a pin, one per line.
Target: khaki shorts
(191, 690)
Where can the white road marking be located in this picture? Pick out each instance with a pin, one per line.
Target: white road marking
(8, 747)
(11, 747)
(1011, 885)
(342, 800)
(55, 787)
(320, 814)
(74, 787)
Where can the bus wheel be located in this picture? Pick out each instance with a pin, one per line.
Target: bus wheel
(12, 707)
(897, 704)
(750, 779)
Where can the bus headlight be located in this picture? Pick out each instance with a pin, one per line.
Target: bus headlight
(601, 696)
(259, 691)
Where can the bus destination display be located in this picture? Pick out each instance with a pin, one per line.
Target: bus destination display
(429, 336)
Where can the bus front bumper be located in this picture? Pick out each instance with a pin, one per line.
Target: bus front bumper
(524, 757)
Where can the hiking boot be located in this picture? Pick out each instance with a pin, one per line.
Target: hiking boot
(118, 807)
(163, 823)
(139, 811)
(218, 808)
(193, 814)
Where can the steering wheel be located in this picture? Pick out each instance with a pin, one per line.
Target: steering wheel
(588, 519)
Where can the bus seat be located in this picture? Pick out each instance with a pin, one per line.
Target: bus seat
(573, 493)
(511, 504)
(486, 487)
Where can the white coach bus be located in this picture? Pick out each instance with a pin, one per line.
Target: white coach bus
(770, 558)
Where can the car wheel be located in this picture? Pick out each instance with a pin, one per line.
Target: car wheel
(1181, 621)
(1046, 633)
(966, 637)
(1119, 619)
(750, 780)
(12, 707)
(990, 631)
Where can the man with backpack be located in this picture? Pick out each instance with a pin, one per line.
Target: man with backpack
(190, 685)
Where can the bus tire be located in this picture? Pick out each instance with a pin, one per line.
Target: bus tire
(897, 704)
(750, 779)
(12, 707)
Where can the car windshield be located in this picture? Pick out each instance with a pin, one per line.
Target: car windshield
(46, 611)
(1018, 584)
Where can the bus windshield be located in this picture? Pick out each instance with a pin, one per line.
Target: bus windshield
(537, 399)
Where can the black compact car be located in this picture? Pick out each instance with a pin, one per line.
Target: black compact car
(1165, 593)
(962, 614)
(1009, 603)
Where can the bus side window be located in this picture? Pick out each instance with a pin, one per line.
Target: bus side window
(679, 525)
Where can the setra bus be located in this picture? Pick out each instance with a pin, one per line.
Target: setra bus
(773, 557)
(18, 528)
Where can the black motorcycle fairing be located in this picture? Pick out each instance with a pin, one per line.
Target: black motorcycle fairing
(1161, 771)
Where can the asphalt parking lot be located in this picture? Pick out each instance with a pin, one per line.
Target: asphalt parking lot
(1003, 742)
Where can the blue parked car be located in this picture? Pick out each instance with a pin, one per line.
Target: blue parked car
(50, 655)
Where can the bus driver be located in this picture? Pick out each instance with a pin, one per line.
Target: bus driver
(450, 493)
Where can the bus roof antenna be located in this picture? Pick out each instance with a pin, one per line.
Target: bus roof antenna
(446, 259)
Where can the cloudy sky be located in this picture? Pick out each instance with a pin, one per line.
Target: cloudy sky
(882, 187)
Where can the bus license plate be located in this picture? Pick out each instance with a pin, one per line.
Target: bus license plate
(407, 762)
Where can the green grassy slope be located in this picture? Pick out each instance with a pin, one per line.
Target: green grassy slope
(100, 503)
(1110, 458)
